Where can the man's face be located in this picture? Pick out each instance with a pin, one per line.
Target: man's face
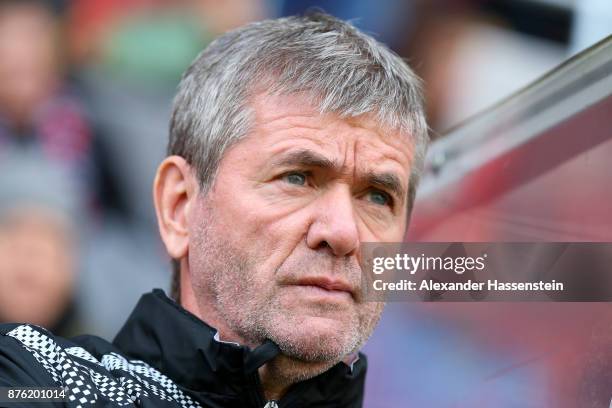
(275, 242)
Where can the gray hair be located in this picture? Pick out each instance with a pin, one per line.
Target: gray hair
(343, 71)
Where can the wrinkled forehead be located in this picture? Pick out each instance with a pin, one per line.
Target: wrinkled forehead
(272, 112)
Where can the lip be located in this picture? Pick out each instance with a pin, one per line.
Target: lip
(333, 286)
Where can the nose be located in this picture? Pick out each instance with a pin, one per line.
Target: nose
(334, 224)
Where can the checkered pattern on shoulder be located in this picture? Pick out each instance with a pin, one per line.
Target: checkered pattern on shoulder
(113, 378)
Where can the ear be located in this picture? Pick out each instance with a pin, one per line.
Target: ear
(174, 190)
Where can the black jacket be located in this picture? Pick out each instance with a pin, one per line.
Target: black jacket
(163, 357)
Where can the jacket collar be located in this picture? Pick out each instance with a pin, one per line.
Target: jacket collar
(187, 350)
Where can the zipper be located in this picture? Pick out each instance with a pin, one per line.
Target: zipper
(271, 404)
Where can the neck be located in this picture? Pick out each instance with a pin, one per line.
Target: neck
(273, 385)
(278, 375)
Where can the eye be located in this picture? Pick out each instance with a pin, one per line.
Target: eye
(380, 198)
(295, 178)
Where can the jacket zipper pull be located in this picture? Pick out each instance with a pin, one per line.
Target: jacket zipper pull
(271, 404)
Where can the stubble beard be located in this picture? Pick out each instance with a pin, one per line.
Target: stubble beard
(252, 309)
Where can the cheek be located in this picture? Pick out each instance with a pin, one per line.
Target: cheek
(396, 233)
(369, 315)
(391, 232)
(269, 231)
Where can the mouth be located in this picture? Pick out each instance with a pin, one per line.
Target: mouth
(325, 287)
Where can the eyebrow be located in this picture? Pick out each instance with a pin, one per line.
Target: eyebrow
(307, 158)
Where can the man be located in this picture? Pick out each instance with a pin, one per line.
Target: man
(39, 214)
(291, 142)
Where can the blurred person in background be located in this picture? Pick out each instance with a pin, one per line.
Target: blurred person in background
(38, 109)
(39, 214)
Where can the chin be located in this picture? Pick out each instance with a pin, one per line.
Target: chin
(317, 339)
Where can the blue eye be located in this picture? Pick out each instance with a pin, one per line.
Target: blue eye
(380, 197)
(296, 178)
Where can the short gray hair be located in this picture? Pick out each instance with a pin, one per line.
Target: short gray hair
(343, 70)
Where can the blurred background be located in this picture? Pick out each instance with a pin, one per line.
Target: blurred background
(85, 97)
